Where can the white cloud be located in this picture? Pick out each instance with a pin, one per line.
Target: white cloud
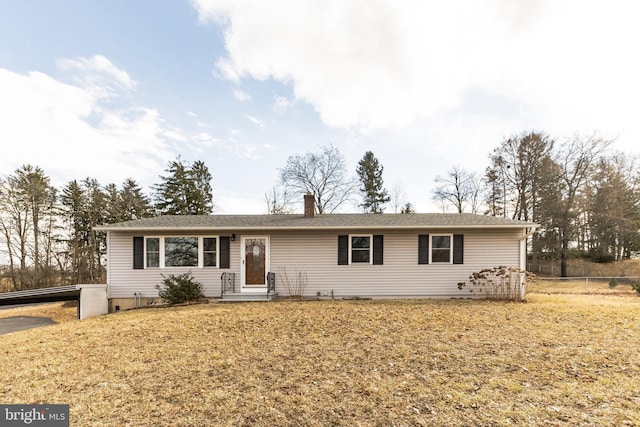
(66, 130)
(255, 120)
(97, 74)
(207, 140)
(380, 64)
(281, 104)
(241, 95)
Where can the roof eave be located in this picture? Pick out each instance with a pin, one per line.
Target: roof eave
(316, 228)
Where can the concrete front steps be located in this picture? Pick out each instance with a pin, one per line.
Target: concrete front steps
(246, 297)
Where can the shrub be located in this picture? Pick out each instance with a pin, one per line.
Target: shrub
(502, 283)
(295, 286)
(602, 258)
(613, 282)
(636, 287)
(178, 289)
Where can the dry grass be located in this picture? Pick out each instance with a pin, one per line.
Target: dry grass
(582, 286)
(557, 359)
(58, 311)
(627, 267)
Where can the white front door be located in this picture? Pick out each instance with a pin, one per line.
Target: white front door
(255, 263)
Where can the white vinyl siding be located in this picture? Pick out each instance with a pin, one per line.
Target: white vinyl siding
(123, 280)
(315, 253)
(400, 276)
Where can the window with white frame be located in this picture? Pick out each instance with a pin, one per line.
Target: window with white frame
(441, 248)
(181, 251)
(360, 249)
(153, 252)
(209, 251)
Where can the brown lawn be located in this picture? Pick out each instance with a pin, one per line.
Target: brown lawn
(57, 311)
(557, 359)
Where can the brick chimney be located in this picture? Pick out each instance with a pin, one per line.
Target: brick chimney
(309, 205)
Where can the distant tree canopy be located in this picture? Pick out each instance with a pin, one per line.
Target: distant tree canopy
(562, 187)
(185, 190)
(47, 237)
(459, 189)
(27, 219)
(585, 198)
(324, 174)
(374, 195)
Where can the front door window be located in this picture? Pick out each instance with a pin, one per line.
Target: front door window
(255, 259)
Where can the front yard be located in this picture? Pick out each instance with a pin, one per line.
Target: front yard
(557, 359)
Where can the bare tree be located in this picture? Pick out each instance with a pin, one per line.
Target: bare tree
(27, 204)
(278, 201)
(397, 197)
(459, 189)
(515, 168)
(324, 174)
(575, 158)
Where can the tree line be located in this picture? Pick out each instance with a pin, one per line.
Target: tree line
(586, 199)
(48, 237)
(585, 196)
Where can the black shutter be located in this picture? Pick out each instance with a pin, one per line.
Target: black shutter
(343, 249)
(224, 251)
(458, 248)
(378, 249)
(423, 249)
(138, 253)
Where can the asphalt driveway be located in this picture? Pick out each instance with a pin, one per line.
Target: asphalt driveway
(21, 323)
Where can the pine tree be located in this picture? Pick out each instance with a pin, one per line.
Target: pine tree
(373, 194)
(186, 190)
(407, 209)
(126, 204)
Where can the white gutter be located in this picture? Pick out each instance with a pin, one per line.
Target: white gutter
(327, 227)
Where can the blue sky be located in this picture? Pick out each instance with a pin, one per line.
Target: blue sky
(116, 89)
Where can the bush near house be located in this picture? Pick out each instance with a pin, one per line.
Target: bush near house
(500, 283)
(179, 289)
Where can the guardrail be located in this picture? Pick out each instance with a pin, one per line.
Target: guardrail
(228, 285)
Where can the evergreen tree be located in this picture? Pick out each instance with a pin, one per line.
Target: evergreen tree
(127, 203)
(84, 206)
(186, 190)
(407, 209)
(373, 194)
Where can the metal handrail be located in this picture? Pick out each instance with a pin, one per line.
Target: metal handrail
(228, 284)
(271, 283)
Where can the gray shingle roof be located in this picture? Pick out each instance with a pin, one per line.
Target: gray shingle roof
(300, 222)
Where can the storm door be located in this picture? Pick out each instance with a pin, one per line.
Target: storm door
(255, 259)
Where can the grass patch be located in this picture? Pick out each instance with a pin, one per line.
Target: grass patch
(59, 312)
(592, 286)
(551, 360)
